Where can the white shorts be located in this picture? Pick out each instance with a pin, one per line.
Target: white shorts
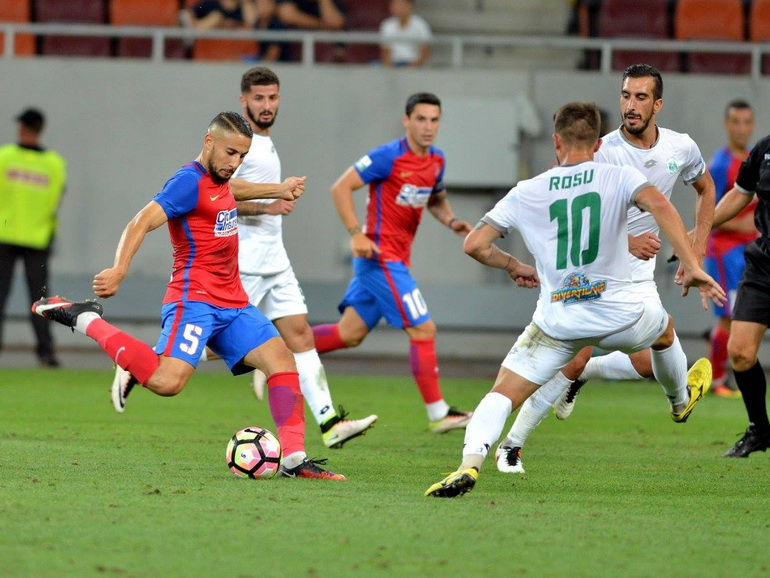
(276, 295)
(537, 357)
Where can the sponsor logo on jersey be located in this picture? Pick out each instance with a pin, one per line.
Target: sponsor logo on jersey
(671, 166)
(650, 163)
(413, 196)
(578, 288)
(363, 163)
(227, 223)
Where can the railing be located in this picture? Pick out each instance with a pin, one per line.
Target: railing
(457, 44)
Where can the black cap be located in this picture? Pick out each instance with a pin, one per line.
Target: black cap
(32, 118)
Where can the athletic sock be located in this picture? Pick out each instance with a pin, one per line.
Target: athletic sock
(327, 338)
(615, 365)
(486, 425)
(534, 410)
(670, 369)
(424, 364)
(133, 355)
(312, 382)
(287, 408)
(718, 354)
(753, 386)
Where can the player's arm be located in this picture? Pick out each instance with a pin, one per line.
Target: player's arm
(731, 204)
(704, 213)
(480, 244)
(342, 195)
(107, 282)
(290, 189)
(439, 207)
(650, 199)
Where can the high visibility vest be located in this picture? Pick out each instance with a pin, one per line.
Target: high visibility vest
(31, 185)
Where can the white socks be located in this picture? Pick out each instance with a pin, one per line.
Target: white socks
(487, 424)
(437, 410)
(312, 382)
(535, 409)
(670, 369)
(84, 320)
(614, 366)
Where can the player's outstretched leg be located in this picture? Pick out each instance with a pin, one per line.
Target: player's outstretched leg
(698, 383)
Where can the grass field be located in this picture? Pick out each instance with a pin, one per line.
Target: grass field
(618, 490)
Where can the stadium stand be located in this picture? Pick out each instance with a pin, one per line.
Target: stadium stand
(759, 27)
(635, 19)
(18, 11)
(144, 13)
(73, 12)
(712, 20)
(211, 49)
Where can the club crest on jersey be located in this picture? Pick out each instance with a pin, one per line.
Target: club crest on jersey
(363, 163)
(578, 288)
(671, 166)
(227, 223)
(413, 196)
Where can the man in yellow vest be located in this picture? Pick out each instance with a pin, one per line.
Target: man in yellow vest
(32, 181)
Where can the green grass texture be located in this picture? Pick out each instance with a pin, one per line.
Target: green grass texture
(616, 490)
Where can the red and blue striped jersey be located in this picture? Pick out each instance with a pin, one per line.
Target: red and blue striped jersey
(400, 184)
(203, 228)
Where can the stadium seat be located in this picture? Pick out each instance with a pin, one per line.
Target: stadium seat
(635, 19)
(759, 28)
(712, 20)
(74, 12)
(144, 13)
(17, 11)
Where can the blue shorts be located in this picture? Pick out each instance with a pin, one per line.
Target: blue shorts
(385, 290)
(188, 326)
(727, 270)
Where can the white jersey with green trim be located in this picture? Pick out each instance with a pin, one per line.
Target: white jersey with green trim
(673, 156)
(261, 250)
(574, 221)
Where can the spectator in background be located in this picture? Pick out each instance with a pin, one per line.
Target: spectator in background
(312, 14)
(406, 36)
(724, 256)
(267, 19)
(223, 14)
(32, 181)
(315, 15)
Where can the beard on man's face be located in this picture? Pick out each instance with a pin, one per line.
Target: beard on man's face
(262, 124)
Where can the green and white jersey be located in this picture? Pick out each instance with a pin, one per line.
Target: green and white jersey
(574, 221)
(673, 156)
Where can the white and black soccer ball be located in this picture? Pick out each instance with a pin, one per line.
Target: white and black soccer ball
(254, 452)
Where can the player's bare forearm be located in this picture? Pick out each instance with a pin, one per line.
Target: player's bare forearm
(277, 207)
(290, 189)
(342, 196)
(439, 207)
(704, 213)
(731, 204)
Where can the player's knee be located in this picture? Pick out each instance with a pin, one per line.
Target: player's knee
(353, 339)
(741, 358)
(168, 386)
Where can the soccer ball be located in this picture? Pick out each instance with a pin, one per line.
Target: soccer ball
(253, 452)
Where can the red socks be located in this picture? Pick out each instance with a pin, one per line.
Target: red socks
(422, 357)
(287, 407)
(718, 353)
(327, 338)
(133, 355)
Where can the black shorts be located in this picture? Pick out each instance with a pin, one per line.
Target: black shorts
(753, 300)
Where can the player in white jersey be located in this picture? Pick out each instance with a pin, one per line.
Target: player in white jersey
(264, 265)
(573, 219)
(664, 157)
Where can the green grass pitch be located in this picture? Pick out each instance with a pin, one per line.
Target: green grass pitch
(617, 490)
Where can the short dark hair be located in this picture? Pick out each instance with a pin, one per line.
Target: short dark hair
(578, 122)
(258, 76)
(421, 98)
(231, 122)
(738, 103)
(33, 119)
(642, 71)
